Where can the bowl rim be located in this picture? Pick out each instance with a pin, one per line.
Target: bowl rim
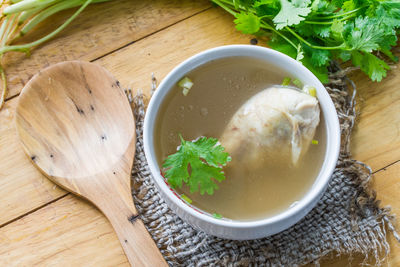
(327, 107)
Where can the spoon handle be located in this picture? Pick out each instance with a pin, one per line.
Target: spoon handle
(117, 205)
(138, 245)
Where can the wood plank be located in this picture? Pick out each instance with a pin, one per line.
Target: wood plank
(61, 231)
(100, 29)
(387, 186)
(79, 130)
(376, 138)
(27, 188)
(68, 232)
(213, 28)
(159, 52)
(73, 232)
(23, 187)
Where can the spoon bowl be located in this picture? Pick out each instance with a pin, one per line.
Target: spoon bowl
(77, 126)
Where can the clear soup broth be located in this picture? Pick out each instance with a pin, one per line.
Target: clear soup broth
(220, 88)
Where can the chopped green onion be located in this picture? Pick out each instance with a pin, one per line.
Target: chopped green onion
(314, 142)
(186, 198)
(26, 5)
(286, 81)
(21, 16)
(186, 84)
(298, 83)
(310, 90)
(185, 91)
(47, 13)
(217, 216)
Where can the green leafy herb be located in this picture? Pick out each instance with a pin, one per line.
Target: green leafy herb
(217, 216)
(290, 14)
(310, 90)
(315, 32)
(198, 164)
(186, 84)
(186, 198)
(286, 81)
(314, 142)
(247, 22)
(298, 83)
(20, 17)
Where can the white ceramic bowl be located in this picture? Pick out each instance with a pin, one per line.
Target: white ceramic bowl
(258, 228)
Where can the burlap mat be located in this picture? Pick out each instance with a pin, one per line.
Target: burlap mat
(347, 220)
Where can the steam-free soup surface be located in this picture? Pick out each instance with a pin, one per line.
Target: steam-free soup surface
(220, 88)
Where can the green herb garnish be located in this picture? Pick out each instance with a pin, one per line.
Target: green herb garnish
(315, 32)
(310, 90)
(186, 198)
(314, 142)
(298, 83)
(198, 164)
(186, 84)
(286, 81)
(20, 17)
(217, 216)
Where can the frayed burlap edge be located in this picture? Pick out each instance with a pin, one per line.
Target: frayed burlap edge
(347, 220)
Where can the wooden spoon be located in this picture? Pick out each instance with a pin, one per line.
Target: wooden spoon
(76, 125)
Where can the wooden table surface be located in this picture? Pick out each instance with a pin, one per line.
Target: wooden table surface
(41, 224)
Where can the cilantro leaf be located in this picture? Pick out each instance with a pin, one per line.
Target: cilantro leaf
(323, 6)
(266, 7)
(337, 29)
(277, 43)
(197, 164)
(322, 30)
(272, 3)
(344, 55)
(364, 34)
(370, 64)
(301, 3)
(319, 57)
(242, 3)
(321, 72)
(390, 55)
(337, 3)
(290, 15)
(247, 23)
(348, 5)
(309, 30)
(315, 32)
(390, 12)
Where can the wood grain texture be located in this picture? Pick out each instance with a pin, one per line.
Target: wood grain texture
(209, 29)
(73, 233)
(376, 138)
(69, 232)
(387, 185)
(61, 244)
(162, 51)
(77, 126)
(22, 186)
(99, 30)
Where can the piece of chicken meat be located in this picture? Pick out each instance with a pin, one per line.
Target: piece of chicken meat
(275, 126)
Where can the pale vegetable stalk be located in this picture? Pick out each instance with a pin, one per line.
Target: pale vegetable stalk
(186, 84)
(22, 16)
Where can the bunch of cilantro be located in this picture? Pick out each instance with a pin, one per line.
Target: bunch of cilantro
(315, 32)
